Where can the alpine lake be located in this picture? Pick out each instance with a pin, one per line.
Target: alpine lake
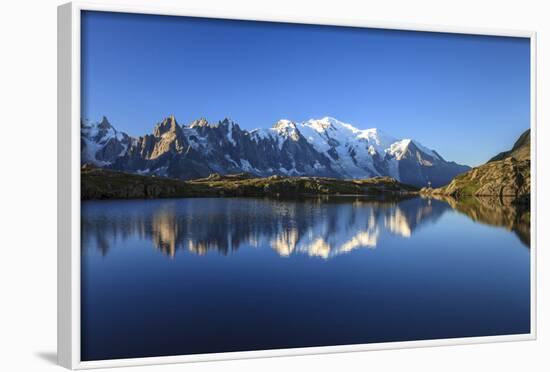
(205, 275)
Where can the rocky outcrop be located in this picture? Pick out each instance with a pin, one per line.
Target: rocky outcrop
(507, 175)
(520, 151)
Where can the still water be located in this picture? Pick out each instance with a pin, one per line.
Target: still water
(186, 276)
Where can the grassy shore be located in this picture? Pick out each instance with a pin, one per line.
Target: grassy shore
(108, 184)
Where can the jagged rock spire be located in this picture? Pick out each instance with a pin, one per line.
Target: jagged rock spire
(104, 123)
(169, 124)
(202, 122)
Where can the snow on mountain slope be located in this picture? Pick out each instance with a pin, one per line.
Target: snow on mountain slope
(101, 143)
(359, 153)
(323, 147)
(280, 132)
(352, 151)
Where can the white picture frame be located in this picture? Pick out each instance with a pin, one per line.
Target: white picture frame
(69, 185)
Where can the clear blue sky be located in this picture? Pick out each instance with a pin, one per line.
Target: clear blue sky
(465, 96)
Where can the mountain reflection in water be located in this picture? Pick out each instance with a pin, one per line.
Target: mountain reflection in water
(494, 211)
(315, 227)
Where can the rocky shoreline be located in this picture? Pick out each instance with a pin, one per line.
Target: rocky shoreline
(505, 176)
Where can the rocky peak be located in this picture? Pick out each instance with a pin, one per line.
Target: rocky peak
(199, 123)
(520, 151)
(101, 143)
(169, 124)
(323, 123)
(228, 123)
(287, 129)
(99, 131)
(284, 124)
(104, 124)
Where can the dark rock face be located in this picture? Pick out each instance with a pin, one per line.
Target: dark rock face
(202, 148)
(419, 168)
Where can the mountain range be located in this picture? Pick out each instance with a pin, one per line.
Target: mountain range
(318, 148)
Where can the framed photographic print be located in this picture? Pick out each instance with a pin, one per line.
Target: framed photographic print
(235, 186)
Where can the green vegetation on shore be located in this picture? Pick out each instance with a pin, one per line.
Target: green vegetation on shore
(99, 183)
(507, 175)
(508, 178)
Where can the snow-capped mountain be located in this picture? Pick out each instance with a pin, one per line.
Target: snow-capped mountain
(101, 143)
(325, 147)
